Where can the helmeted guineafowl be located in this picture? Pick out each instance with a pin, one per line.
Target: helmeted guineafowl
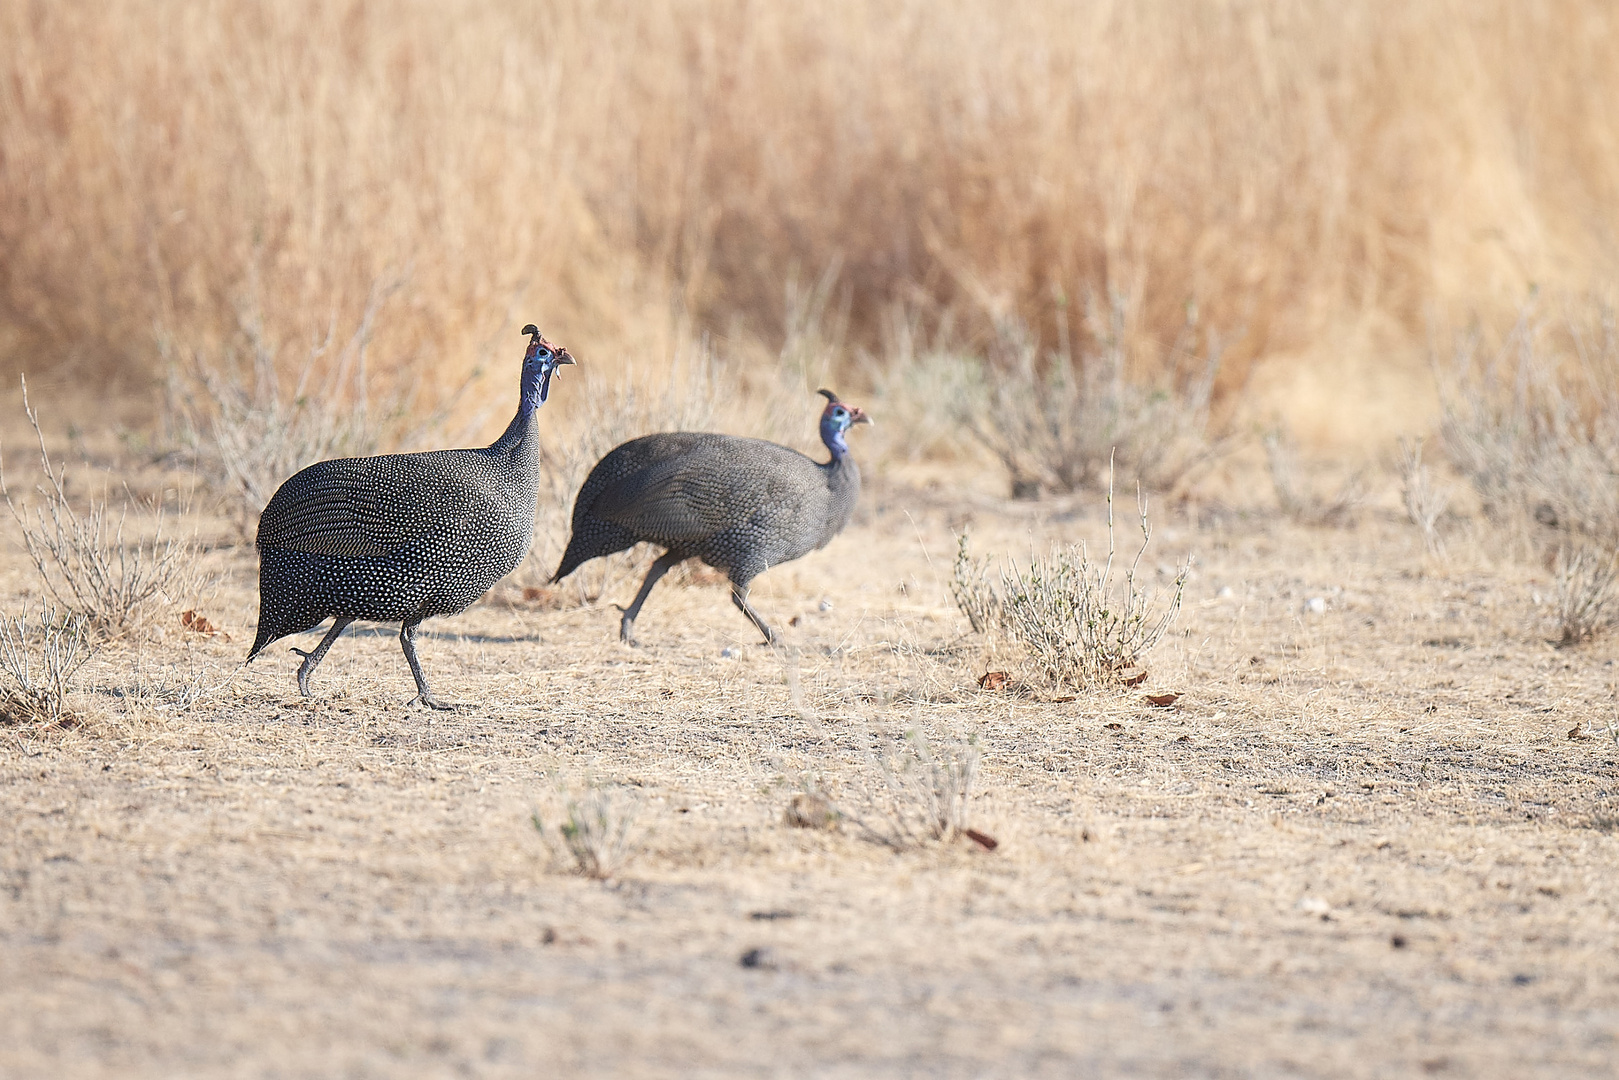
(740, 505)
(401, 537)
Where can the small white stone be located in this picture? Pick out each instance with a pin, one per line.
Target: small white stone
(826, 605)
(1314, 905)
(730, 652)
(1225, 593)
(1316, 605)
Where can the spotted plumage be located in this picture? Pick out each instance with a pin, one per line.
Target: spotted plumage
(739, 505)
(401, 537)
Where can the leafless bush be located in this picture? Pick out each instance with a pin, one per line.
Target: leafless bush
(1080, 623)
(1583, 603)
(1425, 502)
(597, 834)
(1297, 499)
(39, 660)
(1533, 423)
(1063, 421)
(100, 566)
(245, 433)
(926, 793)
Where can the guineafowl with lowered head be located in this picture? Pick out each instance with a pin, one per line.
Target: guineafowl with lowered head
(740, 505)
(402, 537)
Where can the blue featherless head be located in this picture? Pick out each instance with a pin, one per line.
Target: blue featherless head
(541, 362)
(837, 419)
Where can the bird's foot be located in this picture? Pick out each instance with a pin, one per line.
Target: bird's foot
(626, 634)
(431, 702)
(303, 672)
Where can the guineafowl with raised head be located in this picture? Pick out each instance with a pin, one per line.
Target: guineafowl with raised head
(740, 505)
(402, 537)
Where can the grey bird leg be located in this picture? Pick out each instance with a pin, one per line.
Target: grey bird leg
(313, 658)
(739, 597)
(424, 694)
(626, 626)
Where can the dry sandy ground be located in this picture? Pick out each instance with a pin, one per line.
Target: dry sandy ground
(1363, 843)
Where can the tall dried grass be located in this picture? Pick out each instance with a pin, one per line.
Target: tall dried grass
(631, 174)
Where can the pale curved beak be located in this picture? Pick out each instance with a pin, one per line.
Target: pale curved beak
(857, 415)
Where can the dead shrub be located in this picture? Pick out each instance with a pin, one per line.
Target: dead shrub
(597, 835)
(1063, 421)
(246, 431)
(1297, 499)
(114, 570)
(1081, 624)
(1425, 502)
(926, 791)
(1533, 422)
(39, 658)
(1582, 604)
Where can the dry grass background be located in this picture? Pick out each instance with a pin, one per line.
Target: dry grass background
(1375, 835)
(1321, 181)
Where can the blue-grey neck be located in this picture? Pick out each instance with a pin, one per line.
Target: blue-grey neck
(520, 433)
(536, 374)
(833, 436)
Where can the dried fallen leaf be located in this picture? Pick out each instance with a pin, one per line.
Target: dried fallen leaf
(1575, 733)
(994, 680)
(543, 598)
(983, 840)
(1063, 700)
(197, 624)
(1115, 726)
(1163, 701)
(1133, 676)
